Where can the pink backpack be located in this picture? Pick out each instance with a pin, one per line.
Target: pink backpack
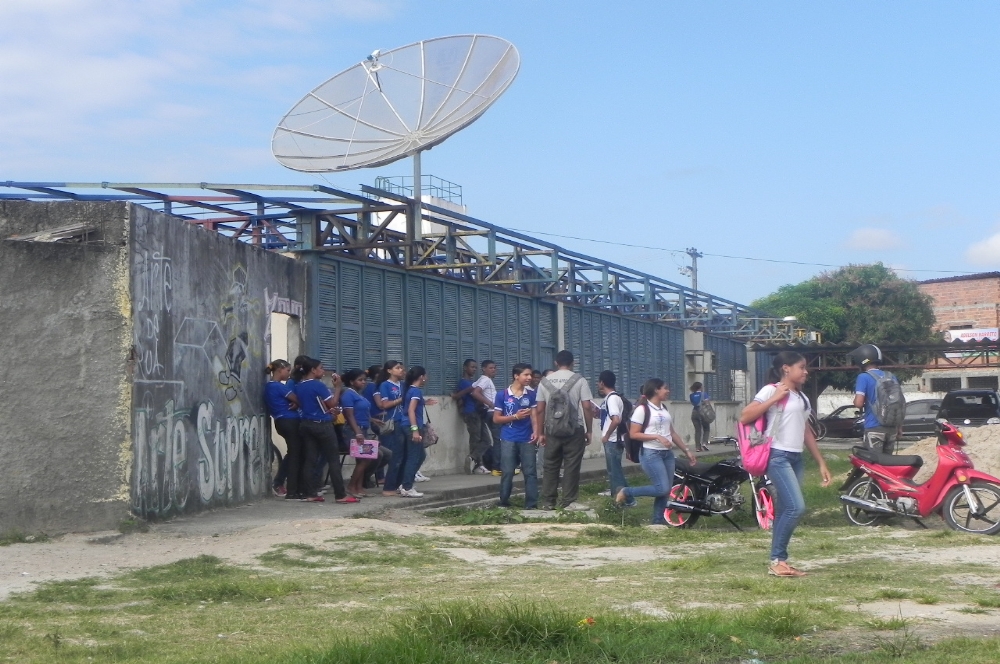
(754, 441)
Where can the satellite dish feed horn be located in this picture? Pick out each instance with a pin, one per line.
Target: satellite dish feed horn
(396, 104)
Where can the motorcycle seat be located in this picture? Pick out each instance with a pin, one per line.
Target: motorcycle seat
(872, 456)
(697, 469)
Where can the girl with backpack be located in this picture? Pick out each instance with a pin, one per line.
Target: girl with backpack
(389, 398)
(787, 411)
(652, 424)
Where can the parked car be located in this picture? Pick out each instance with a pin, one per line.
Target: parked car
(920, 417)
(971, 407)
(845, 422)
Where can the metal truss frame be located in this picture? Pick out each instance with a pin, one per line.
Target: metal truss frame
(367, 226)
(943, 355)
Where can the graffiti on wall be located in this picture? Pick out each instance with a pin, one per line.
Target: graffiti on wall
(200, 433)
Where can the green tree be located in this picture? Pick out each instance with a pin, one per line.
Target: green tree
(856, 304)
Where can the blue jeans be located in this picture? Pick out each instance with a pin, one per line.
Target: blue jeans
(785, 471)
(613, 460)
(414, 454)
(659, 468)
(394, 442)
(510, 455)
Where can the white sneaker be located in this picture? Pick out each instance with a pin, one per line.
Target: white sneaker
(576, 507)
(481, 470)
(410, 493)
(606, 492)
(470, 465)
(420, 477)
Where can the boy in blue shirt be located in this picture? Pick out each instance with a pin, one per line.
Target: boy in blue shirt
(515, 411)
(876, 437)
(479, 434)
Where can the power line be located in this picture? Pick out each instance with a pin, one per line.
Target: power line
(741, 258)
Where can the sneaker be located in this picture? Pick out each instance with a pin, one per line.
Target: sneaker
(420, 477)
(314, 499)
(606, 493)
(347, 499)
(495, 473)
(782, 568)
(326, 488)
(470, 465)
(576, 507)
(278, 491)
(481, 470)
(410, 493)
(517, 471)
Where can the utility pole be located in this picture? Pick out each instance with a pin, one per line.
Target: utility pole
(695, 255)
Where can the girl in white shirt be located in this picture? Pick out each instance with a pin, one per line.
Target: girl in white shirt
(787, 412)
(656, 458)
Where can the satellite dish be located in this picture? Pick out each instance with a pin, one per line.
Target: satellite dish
(395, 104)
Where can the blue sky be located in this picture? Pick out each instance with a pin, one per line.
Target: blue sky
(829, 133)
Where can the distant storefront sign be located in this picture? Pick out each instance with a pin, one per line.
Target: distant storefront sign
(981, 334)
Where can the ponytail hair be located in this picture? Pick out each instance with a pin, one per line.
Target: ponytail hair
(351, 376)
(412, 376)
(783, 359)
(650, 387)
(383, 375)
(304, 368)
(276, 365)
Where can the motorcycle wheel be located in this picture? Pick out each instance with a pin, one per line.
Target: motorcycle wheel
(958, 515)
(765, 513)
(865, 489)
(680, 493)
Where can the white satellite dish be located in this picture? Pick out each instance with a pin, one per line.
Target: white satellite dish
(395, 104)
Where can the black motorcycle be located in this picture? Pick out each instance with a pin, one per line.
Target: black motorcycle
(707, 489)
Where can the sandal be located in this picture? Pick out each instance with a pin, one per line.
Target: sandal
(347, 499)
(782, 568)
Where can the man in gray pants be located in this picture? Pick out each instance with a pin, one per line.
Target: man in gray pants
(564, 451)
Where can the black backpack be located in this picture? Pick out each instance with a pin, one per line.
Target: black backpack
(633, 448)
(623, 425)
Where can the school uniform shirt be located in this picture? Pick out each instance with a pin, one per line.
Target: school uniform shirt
(787, 426)
(867, 384)
(507, 404)
(414, 393)
(311, 394)
(390, 391)
(659, 425)
(276, 397)
(485, 383)
(698, 397)
(357, 403)
(468, 403)
(369, 394)
(613, 406)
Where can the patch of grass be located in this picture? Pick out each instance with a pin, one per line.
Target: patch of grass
(301, 556)
(15, 536)
(886, 624)
(77, 591)
(989, 602)
(901, 644)
(927, 599)
(133, 525)
(975, 610)
(891, 593)
(207, 579)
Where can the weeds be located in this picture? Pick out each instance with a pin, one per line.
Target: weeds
(17, 537)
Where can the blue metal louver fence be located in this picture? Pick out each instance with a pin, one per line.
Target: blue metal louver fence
(730, 355)
(367, 314)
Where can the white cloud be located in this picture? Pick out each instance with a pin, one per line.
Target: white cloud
(88, 83)
(985, 253)
(873, 239)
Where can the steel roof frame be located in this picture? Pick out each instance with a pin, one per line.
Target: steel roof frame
(317, 218)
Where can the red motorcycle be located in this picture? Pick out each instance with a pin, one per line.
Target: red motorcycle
(882, 485)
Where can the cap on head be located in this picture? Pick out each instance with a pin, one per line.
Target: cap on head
(866, 355)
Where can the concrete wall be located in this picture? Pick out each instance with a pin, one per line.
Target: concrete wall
(201, 306)
(65, 332)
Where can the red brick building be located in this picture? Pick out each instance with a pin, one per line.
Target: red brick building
(966, 307)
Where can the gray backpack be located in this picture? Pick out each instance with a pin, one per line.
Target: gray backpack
(890, 404)
(562, 416)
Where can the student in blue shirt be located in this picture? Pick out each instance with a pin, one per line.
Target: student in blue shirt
(479, 433)
(357, 412)
(283, 406)
(316, 427)
(389, 399)
(515, 411)
(414, 452)
(701, 427)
